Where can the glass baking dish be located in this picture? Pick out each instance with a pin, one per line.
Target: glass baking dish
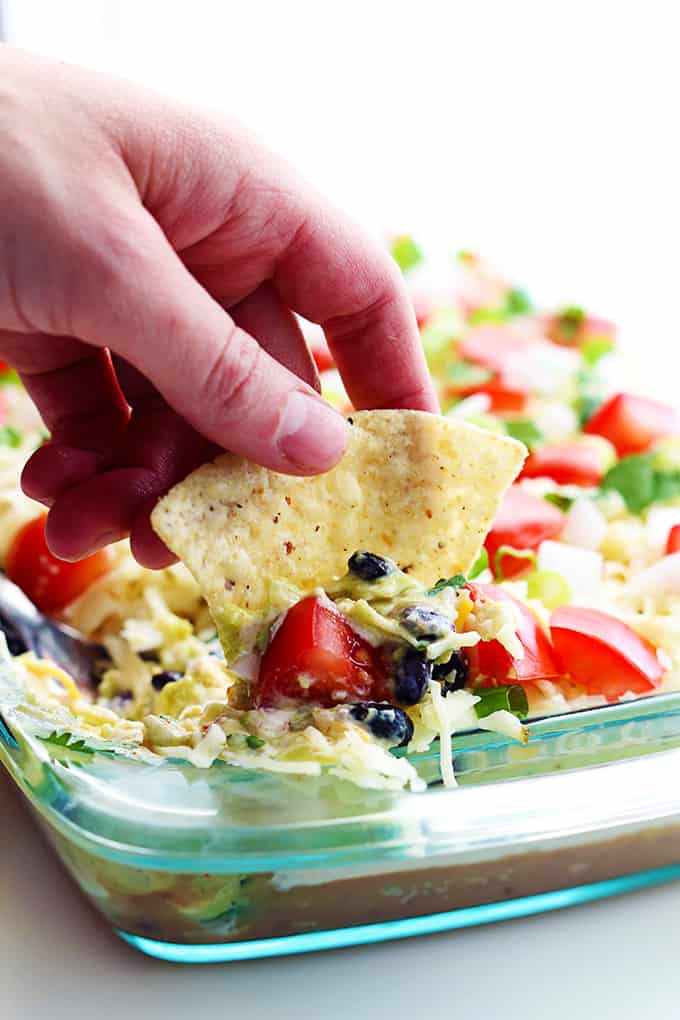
(204, 865)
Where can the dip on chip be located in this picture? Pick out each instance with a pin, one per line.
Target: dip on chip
(414, 487)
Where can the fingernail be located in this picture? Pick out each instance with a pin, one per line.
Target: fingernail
(311, 434)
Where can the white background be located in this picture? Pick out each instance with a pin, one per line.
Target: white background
(543, 134)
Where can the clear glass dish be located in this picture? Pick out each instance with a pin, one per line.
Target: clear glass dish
(220, 864)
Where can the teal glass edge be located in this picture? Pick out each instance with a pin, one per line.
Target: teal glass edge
(371, 934)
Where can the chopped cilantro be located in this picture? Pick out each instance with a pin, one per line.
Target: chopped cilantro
(9, 436)
(525, 430)
(457, 581)
(253, 742)
(68, 740)
(480, 564)
(595, 347)
(558, 500)
(464, 374)
(641, 482)
(406, 252)
(517, 302)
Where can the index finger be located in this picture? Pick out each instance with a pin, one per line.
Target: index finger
(334, 274)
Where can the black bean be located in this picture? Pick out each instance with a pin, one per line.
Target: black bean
(369, 567)
(452, 675)
(168, 676)
(151, 655)
(385, 721)
(412, 674)
(425, 623)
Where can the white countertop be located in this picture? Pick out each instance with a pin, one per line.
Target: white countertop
(58, 960)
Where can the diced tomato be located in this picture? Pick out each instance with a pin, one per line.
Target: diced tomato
(321, 354)
(50, 583)
(503, 399)
(572, 464)
(491, 346)
(604, 654)
(673, 540)
(4, 367)
(422, 306)
(632, 424)
(491, 664)
(316, 656)
(595, 326)
(523, 522)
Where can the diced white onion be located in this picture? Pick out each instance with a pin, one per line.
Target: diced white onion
(556, 420)
(246, 666)
(660, 580)
(541, 368)
(585, 526)
(476, 403)
(581, 568)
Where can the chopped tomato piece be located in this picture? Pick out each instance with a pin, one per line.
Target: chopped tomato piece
(503, 399)
(573, 464)
(491, 346)
(491, 664)
(4, 367)
(595, 326)
(523, 522)
(321, 354)
(632, 424)
(604, 654)
(422, 306)
(673, 540)
(49, 582)
(316, 656)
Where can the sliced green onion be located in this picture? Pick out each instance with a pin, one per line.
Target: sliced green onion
(595, 347)
(518, 554)
(480, 316)
(558, 500)
(512, 699)
(253, 742)
(9, 436)
(549, 587)
(480, 564)
(406, 252)
(9, 378)
(442, 327)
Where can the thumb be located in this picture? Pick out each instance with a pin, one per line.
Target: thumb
(152, 312)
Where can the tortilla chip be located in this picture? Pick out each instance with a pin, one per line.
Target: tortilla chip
(416, 487)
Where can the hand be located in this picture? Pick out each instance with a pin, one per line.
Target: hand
(151, 258)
